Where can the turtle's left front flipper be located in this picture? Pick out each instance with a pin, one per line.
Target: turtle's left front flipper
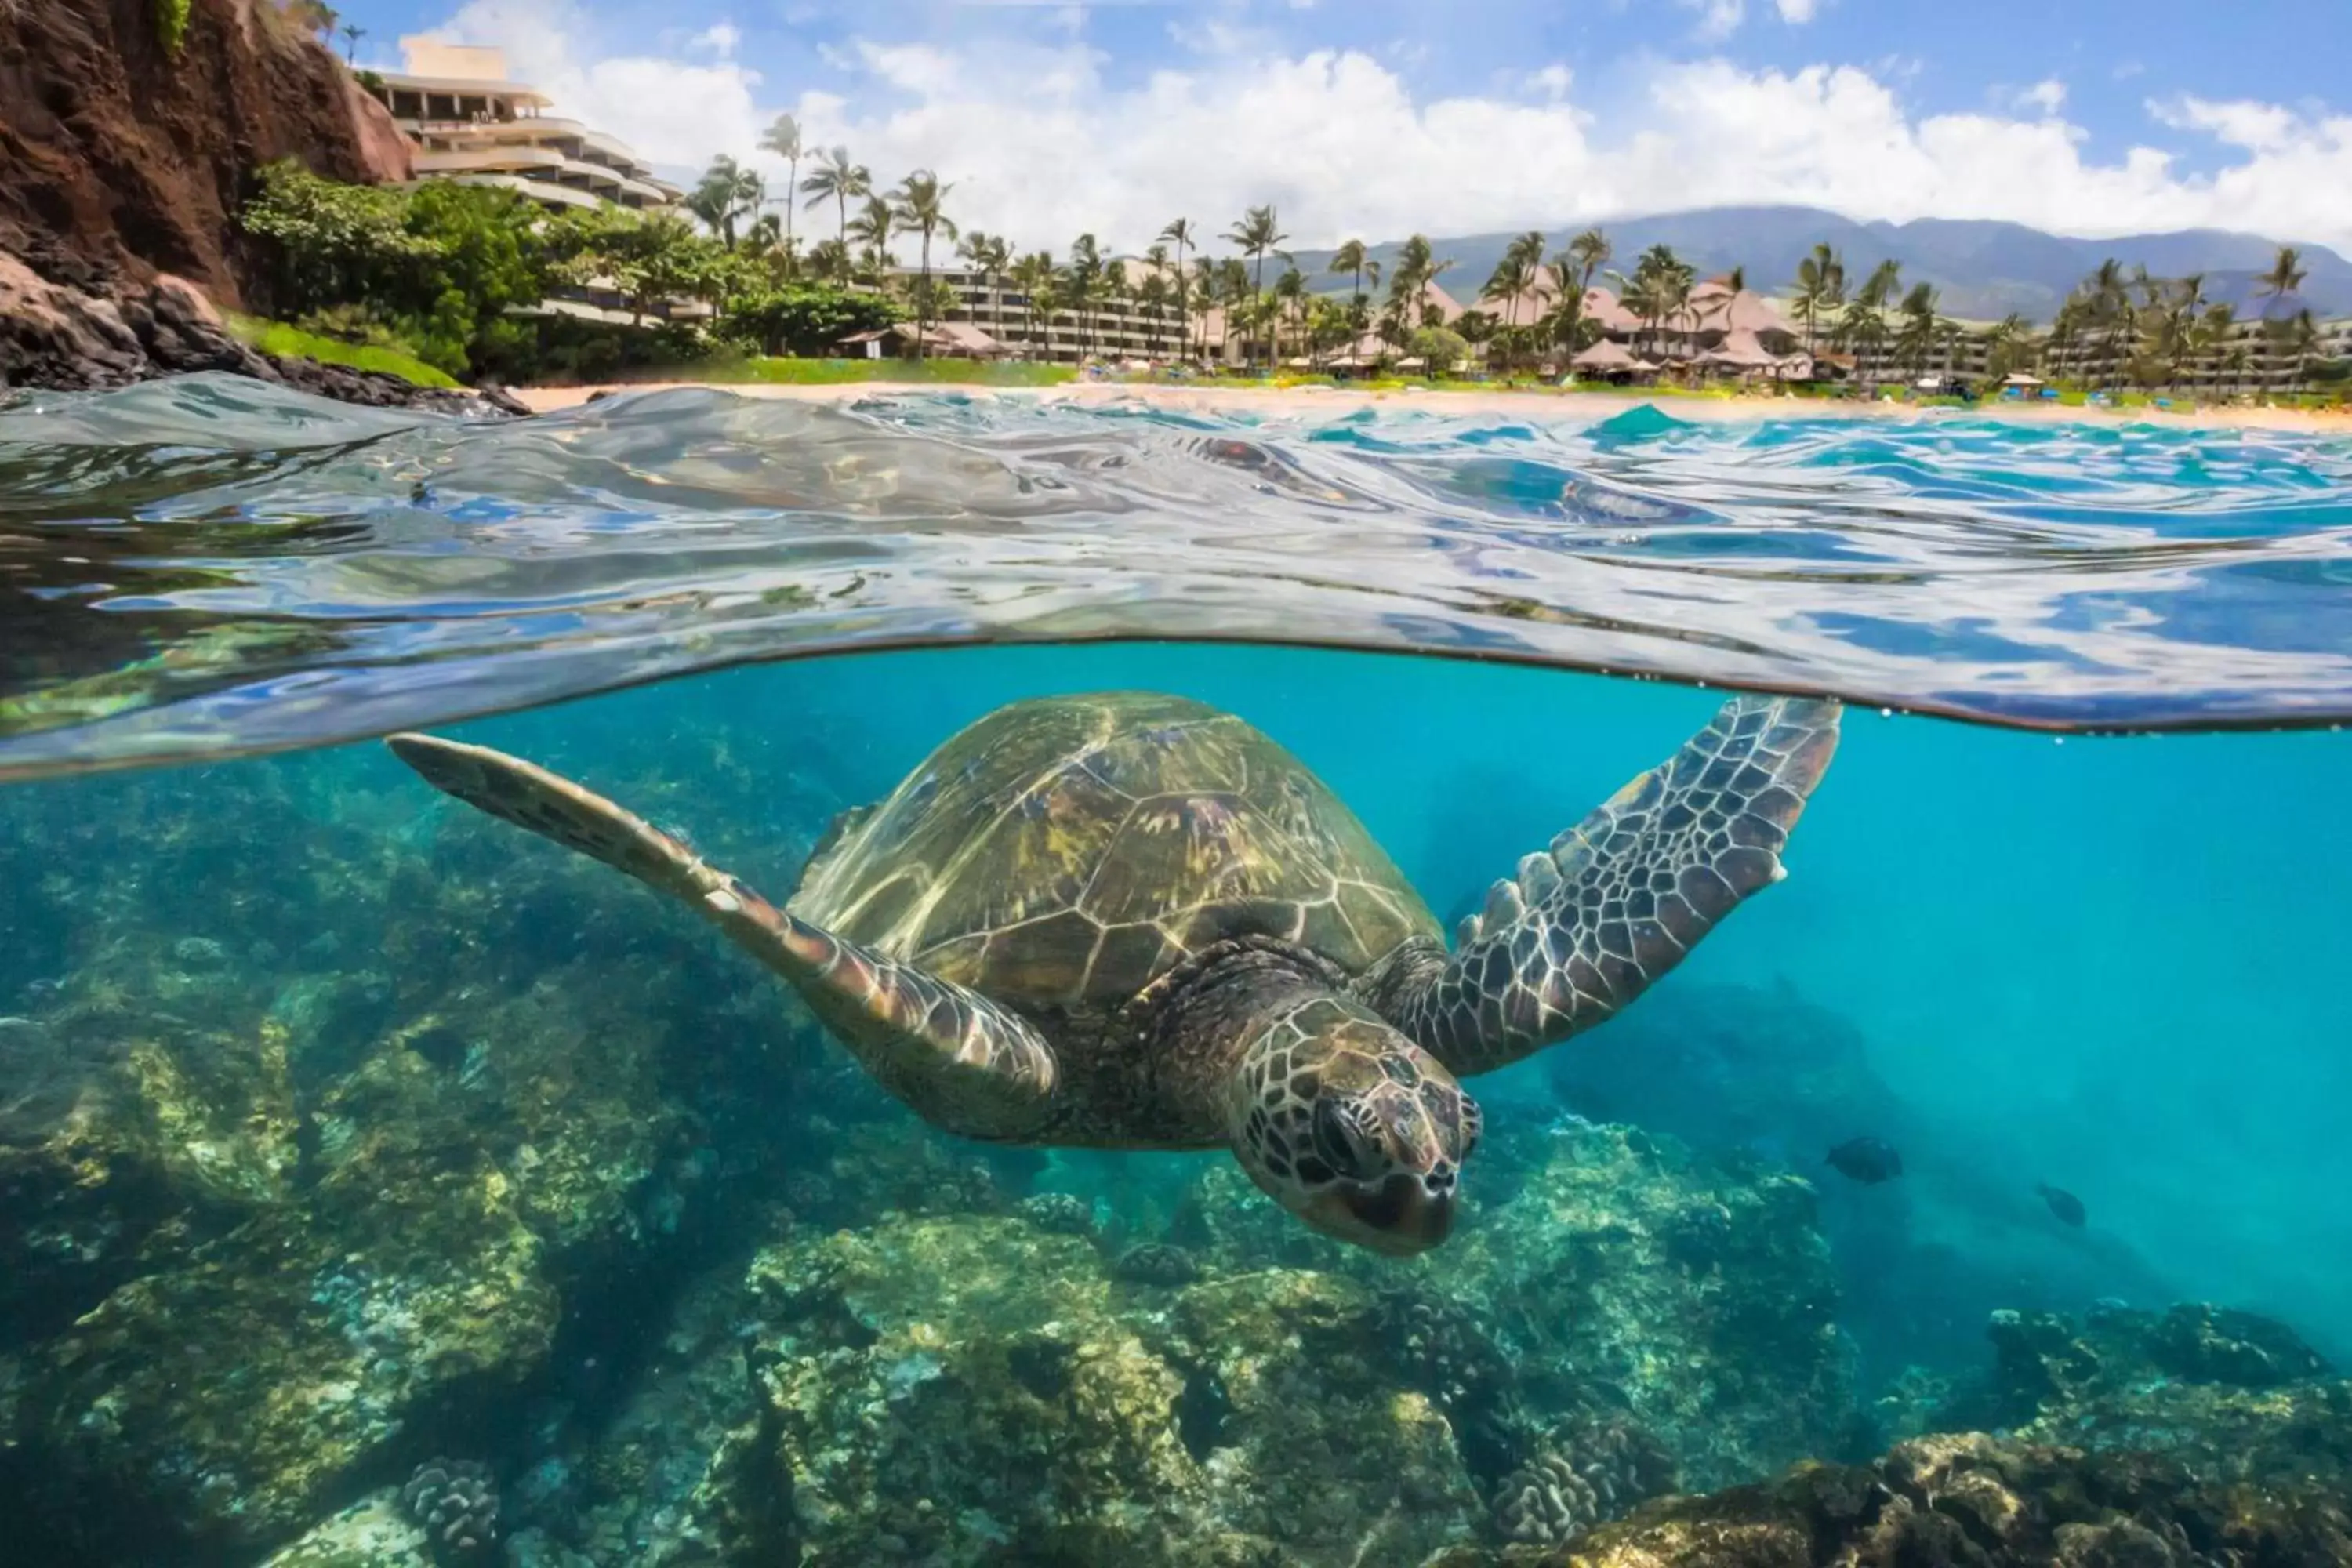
(1622, 896)
(963, 1062)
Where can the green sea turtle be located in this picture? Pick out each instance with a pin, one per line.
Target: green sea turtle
(1131, 920)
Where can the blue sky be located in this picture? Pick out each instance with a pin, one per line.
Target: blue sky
(1381, 116)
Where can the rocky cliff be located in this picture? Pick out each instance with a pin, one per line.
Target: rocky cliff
(126, 153)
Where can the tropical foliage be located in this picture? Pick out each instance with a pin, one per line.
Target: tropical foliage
(440, 272)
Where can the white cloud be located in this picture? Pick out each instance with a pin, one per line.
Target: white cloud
(719, 39)
(1718, 19)
(2048, 96)
(1796, 13)
(2256, 127)
(1044, 140)
(674, 113)
(1552, 81)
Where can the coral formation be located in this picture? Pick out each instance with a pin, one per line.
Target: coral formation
(1579, 1480)
(456, 1503)
(1064, 1213)
(1157, 1263)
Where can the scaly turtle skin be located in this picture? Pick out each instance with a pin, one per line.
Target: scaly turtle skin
(1131, 920)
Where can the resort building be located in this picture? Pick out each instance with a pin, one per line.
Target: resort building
(468, 122)
(1121, 328)
(2256, 359)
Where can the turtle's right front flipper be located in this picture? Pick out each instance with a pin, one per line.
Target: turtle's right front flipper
(1622, 897)
(963, 1062)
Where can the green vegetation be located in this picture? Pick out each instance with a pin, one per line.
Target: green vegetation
(441, 271)
(172, 24)
(292, 343)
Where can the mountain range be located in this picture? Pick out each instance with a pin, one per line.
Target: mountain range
(1983, 270)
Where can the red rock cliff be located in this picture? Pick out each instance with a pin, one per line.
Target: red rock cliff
(115, 153)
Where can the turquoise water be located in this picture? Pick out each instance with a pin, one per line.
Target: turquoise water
(342, 1130)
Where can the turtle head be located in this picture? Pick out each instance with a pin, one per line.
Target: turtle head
(1352, 1127)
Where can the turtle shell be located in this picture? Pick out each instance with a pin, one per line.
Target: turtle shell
(1065, 852)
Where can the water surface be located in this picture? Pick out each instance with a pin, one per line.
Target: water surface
(204, 565)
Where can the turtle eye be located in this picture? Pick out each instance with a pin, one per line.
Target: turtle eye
(1340, 1143)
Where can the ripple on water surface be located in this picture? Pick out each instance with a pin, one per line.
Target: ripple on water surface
(205, 565)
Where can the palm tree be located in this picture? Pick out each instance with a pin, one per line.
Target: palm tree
(1259, 235)
(353, 33)
(1178, 233)
(1290, 293)
(919, 206)
(1082, 288)
(725, 193)
(2106, 311)
(2065, 331)
(2009, 345)
(829, 258)
(2285, 276)
(782, 137)
(836, 180)
(1659, 289)
(2303, 342)
(1033, 275)
(1922, 328)
(871, 228)
(1352, 259)
(1821, 286)
(989, 254)
(1572, 279)
(1514, 274)
(2274, 288)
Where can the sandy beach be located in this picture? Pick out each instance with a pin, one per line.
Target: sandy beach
(1577, 408)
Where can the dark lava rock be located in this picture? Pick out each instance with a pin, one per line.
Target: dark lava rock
(79, 327)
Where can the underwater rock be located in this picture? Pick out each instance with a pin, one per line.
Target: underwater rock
(1619, 1273)
(2230, 1396)
(2202, 1344)
(456, 1503)
(1700, 1303)
(375, 1532)
(128, 1132)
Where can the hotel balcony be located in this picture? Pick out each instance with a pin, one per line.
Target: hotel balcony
(545, 173)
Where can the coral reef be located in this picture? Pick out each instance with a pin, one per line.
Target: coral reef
(967, 1390)
(1628, 1273)
(2230, 1396)
(1968, 1501)
(292, 1182)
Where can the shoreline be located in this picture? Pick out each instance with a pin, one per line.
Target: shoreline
(1579, 407)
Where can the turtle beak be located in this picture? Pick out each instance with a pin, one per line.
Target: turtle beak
(1403, 1214)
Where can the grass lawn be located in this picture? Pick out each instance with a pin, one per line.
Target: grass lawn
(292, 343)
(831, 372)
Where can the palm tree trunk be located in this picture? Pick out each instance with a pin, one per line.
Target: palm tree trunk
(923, 299)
